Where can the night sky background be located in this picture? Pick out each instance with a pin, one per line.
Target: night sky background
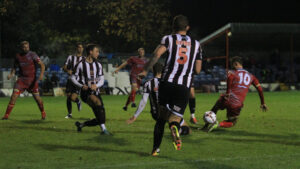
(207, 16)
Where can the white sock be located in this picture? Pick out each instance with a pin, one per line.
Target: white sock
(103, 127)
(193, 115)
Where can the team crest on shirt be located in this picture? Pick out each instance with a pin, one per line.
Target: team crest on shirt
(176, 108)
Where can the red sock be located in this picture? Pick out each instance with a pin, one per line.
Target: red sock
(41, 106)
(226, 124)
(128, 100)
(9, 109)
(132, 96)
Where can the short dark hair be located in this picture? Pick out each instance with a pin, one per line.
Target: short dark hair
(90, 47)
(79, 43)
(237, 59)
(180, 23)
(157, 68)
(23, 43)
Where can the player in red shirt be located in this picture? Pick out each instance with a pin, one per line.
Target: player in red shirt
(137, 64)
(26, 62)
(238, 83)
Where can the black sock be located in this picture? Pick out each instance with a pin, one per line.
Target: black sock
(158, 133)
(174, 123)
(77, 100)
(99, 112)
(90, 123)
(69, 105)
(192, 105)
(217, 106)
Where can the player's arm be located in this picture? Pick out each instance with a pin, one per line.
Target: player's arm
(78, 71)
(139, 110)
(42, 69)
(230, 78)
(198, 63)
(198, 66)
(13, 70)
(121, 67)
(12, 73)
(65, 67)
(160, 50)
(258, 87)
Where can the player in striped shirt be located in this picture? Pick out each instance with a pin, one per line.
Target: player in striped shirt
(151, 92)
(89, 77)
(184, 58)
(71, 90)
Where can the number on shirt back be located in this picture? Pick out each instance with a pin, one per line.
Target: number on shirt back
(244, 79)
(182, 56)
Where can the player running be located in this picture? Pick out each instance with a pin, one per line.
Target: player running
(26, 62)
(72, 90)
(238, 83)
(151, 91)
(184, 58)
(89, 77)
(137, 64)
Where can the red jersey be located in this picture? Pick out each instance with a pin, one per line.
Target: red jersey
(27, 64)
(238, 83)
(137, 65)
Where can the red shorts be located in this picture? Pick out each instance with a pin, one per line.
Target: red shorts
(134, 79)
(31, 86)
(233, 110)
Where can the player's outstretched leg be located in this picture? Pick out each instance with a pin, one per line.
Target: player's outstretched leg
(40, 104)
(158, 135)
(11, 105)
(88, 123)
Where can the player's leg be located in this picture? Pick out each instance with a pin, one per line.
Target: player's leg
(69, 106)
(232, 117)
(39, 101)
(184, 128)
(192, 105)
(158, 135)
(11, 104)
(131, 96)
(95, 102)
(74, 98)
(219, 105)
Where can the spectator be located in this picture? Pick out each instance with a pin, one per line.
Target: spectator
(55, 80)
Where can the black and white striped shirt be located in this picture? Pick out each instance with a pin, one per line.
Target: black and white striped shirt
(182, 53)
(72, 61)
(151, 92)
(86, 73)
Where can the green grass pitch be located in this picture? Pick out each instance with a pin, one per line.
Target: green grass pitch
(260, 140)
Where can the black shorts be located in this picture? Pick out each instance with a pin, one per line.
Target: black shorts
(71, 88)
(174, 97)
(84, 95)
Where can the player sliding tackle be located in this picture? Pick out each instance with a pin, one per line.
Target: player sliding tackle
(238, 83)
(26, 62)
(184, 57)
(151, 91)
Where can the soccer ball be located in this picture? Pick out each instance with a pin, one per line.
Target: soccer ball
(210, 117)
